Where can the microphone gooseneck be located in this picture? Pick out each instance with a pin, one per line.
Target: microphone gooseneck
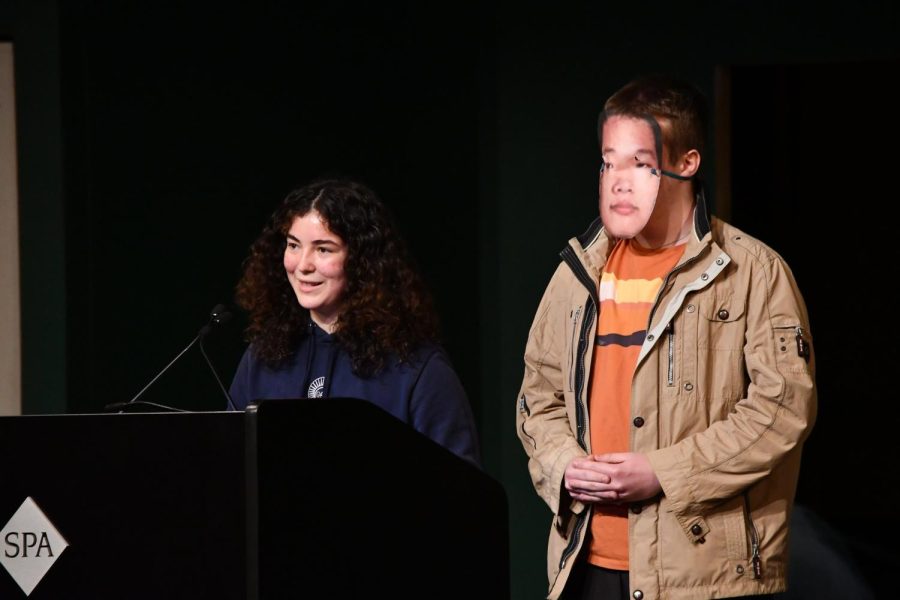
(164, 369)
(218, 315)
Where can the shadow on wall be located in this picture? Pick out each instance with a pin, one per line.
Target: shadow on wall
(822, 563)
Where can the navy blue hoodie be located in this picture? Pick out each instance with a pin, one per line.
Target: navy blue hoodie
(424, 392)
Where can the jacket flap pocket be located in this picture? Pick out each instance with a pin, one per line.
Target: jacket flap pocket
(724, 307)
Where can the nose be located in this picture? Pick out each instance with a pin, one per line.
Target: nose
(621, 184)
(306, 263)
(616, 182)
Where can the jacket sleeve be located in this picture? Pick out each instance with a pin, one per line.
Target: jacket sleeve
(542, 422)
(771, 421)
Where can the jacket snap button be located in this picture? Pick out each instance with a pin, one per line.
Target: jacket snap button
(690, 308)
(739, 569)
(723, 314)
(704, 277)
(636, 508)
(638, 595)
(650, 337)
(688, 386)
(696, 529)
(638, 421)
(719, 261)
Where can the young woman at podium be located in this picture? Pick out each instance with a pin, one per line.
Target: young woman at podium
(337, 309)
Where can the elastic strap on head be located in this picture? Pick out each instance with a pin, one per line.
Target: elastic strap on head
(657, 137)
(674, 175)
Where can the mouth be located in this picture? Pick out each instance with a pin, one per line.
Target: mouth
(308, 286)
(623, 208)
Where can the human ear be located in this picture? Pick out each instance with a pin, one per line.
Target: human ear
(690, 163)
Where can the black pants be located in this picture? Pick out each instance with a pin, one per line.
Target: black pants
(590, 582)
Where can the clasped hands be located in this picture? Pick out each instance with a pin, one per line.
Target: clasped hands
(613, 478)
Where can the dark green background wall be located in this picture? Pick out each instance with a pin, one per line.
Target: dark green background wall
(153, 142)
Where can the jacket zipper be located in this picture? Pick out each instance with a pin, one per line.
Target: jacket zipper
(755, 561)
(591, 307)
(573, 543)
(583, 340)
(523, 407)
(575, 315)
(570, 258)
(802, 344)
(670, 373)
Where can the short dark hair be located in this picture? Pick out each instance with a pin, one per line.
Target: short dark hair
(677, 101)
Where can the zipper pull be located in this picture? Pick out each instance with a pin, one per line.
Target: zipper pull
(802, 345)
(523, 406)
(757, 563)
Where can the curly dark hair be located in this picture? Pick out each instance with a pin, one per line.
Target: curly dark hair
(386, 308)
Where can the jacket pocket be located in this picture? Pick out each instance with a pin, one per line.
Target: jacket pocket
(722, 321)
(793, 346)
(721, 333)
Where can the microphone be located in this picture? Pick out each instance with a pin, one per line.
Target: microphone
(218, 315)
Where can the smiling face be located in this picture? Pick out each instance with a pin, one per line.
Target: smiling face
(314, 260)
(629, 179)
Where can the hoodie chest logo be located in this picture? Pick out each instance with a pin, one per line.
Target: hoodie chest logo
(316, 388)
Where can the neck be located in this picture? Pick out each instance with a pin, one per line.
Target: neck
(676, 234)
(650, 246)
(672, 219)
(326, 325)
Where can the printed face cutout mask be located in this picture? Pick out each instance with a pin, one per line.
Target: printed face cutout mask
(630, 174)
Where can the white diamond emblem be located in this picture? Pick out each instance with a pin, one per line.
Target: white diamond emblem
(29, 545)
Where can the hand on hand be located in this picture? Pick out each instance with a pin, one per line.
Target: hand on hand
(611, 478)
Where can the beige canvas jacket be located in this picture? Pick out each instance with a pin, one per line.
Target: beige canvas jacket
(723, 397)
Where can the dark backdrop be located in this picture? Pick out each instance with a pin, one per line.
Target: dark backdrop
(185, 126)
(811, 164)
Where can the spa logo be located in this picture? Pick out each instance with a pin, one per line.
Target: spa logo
(29, 545)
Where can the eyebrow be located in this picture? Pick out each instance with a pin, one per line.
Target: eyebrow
(314, 242)
(639, 152)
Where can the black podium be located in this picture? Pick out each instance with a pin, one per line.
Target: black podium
(326, 498)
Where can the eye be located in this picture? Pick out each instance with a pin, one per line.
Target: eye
(292, 245)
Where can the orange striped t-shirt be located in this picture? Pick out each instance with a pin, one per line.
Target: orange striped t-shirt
(628, 287)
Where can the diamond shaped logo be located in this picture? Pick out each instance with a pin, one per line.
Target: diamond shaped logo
(30, 545)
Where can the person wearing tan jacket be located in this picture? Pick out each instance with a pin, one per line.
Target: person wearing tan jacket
(669, 379)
